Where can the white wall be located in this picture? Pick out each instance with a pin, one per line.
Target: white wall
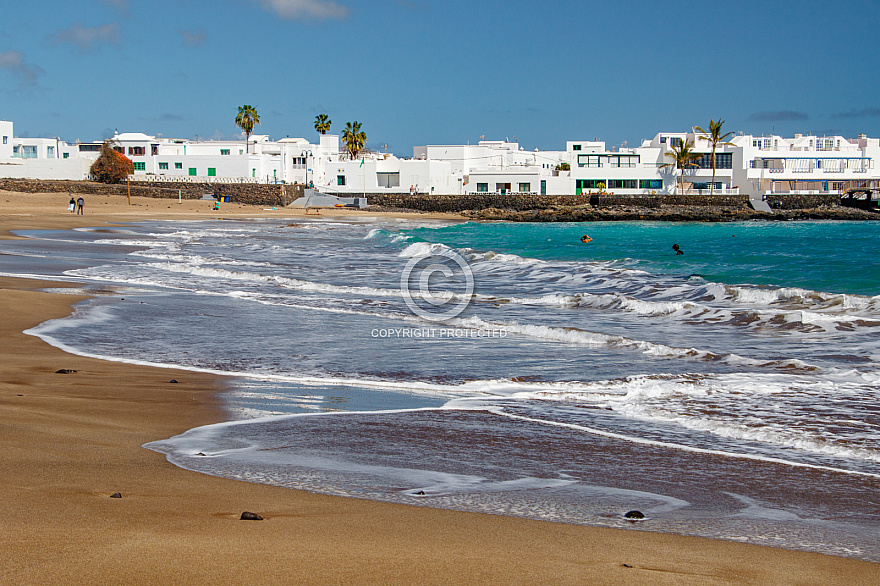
(60, 169)
(5, 139)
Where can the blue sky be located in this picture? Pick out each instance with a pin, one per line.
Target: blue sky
(415, 72)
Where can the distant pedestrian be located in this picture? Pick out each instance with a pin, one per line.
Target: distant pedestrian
(72, 207)
(80, 202)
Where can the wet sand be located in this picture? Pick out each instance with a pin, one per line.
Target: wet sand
(71, 440)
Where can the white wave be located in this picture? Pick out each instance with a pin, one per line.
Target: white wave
(420, 249)
(682, 447)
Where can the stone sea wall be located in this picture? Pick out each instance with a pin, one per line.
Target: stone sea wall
(246, 193)
(588, 206)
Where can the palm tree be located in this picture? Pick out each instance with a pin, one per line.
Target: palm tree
(353, 138)
(683, 156)
(322, 123)
(246, 119)
(715, 138)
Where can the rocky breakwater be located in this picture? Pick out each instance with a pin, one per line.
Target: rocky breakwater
(598, 207)
(665, 214)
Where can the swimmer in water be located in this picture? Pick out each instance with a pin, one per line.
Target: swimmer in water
(586, 239)
(677, 249)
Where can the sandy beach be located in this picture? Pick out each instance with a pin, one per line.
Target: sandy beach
(72, 440)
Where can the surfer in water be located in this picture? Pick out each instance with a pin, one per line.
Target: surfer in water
(677, 249)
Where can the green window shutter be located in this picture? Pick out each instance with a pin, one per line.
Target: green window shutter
(192, 171)
(178, 165)
(163, 166)
(140, 166)
(212, 172)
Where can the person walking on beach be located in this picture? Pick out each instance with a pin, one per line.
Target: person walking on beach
(80, 202)
(72, 207)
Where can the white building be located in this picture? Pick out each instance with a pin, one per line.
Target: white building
(749, 165)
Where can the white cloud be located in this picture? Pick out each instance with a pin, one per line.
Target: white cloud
(305, 8)
(85, 38)
(14, 62)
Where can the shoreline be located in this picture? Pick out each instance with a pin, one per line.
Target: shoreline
(72, 440)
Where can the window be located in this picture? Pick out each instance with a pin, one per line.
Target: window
(50, 152)
(119, 149)
(5, 138)
(28, 152)
(622, 183)
(543, 187)
(15, 152)
(212, 171)
(340, 180)
(525, 187)
(662, 140)
(66, 155)
(575, 147)
(722, 161)
(675, 141)
(163, 166)
(178, 165)
(650, 183)
(224, 151)
(718, 185)
(589, 183)
(623, 160)
(140, 166)
(89, 148)
(154, 149)
(384, 179)
(589, 161)
(482, 188)
(137, 151)
(192, 171)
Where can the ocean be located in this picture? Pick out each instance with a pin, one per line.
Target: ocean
(732, 391)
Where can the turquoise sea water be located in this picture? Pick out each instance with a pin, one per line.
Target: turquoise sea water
(732, 391)
(838, 257)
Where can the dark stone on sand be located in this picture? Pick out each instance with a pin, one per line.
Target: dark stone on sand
(174, 380)
(248, 516)
(626, 565)
(64, 371)
(634, 515)
(116, 495)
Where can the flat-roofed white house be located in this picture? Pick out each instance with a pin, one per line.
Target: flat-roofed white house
(39, 158)
(806, 164)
